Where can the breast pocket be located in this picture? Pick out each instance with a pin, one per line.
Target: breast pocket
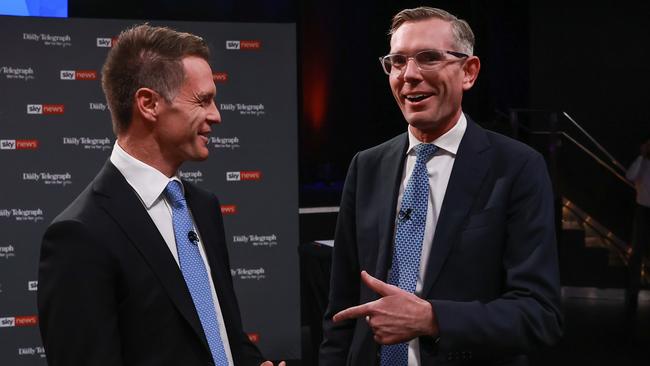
(485, 218)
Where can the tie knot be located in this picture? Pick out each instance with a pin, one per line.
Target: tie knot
(174, 192)
(425, 151)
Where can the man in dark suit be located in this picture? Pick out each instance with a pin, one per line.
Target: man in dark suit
(135, 271)
(445, 248)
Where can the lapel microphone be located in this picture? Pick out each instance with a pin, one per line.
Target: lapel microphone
(192, 237)
(405, 215)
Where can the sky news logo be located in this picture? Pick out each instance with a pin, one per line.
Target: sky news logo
(19, 321)
(220, 77)
(78, 75)
(243, 175)
(228, 209)
(253, 337)
(18, 144)
(45, 108)
(106, 42)
(244, 45)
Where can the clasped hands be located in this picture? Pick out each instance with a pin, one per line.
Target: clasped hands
(396, 317)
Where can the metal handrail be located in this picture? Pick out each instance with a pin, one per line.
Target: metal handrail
(613, 160)
(614, 242)
(588, 152)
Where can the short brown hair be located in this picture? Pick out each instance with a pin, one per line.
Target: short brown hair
(146, 56)
(463, 35)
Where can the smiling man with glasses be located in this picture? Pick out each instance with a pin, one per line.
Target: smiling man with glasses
(445, 247)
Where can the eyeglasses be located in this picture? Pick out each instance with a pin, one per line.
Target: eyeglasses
(425, 60)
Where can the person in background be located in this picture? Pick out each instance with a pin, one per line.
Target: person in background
(639, 174)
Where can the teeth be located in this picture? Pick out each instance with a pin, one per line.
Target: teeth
(416, 96)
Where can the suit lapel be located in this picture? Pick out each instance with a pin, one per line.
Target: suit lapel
(124, 206)
(391, 165)
(471, 165)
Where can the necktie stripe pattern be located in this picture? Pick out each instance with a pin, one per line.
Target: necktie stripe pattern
(194, 272)
(408, 241)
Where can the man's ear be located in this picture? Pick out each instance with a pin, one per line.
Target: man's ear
(471, 68)
(146, 103)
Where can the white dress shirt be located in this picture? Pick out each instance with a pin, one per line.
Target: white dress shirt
(439, 170)
(149, 185)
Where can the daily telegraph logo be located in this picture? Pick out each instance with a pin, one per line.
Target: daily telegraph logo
(224, 142)
(18, 321)
(17, 73)
(7, 252)
(89, 143)
(106, 42)
(38, 351)
(78, 75)
(45, 108)
(18, 144)
(248, 273)
(99, 106)
(49, 39)
(243, 109)
(243, 175)
(244, 45)
(22, 215)
(228, 209)
(220, 77)
(270, 240)
(60, 179)
(193, 177)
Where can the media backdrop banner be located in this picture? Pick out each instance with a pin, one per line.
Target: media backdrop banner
(55, 135)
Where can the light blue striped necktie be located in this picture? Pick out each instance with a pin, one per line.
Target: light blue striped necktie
(408, 241)
(194, 271)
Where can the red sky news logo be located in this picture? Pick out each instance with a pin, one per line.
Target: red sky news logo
(244, 45)
(45, 109)
(220, 77)
(243, 175)
(18, 144)
(19, 321)
(253, 337)
(78, 75)
(228, 209)
(106, 42)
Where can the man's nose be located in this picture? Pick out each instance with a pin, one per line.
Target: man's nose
(411, 70)
(213, 114)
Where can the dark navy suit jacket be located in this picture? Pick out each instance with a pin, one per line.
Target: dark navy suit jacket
(111, 293)
(492, 275)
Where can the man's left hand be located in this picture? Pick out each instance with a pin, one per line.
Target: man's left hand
(398, 316)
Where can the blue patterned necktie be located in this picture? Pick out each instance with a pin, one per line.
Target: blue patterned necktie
(408, 241)
(194, 272)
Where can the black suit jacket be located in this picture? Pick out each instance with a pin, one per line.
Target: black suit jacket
(111, 293)
(492, 274)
